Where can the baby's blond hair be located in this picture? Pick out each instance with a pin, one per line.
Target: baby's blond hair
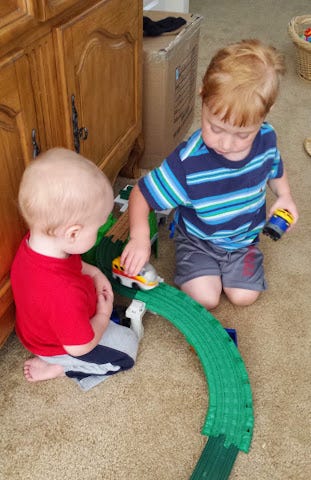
(241, 82)
(60, 188)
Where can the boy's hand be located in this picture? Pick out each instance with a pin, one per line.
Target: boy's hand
(137, 251)
(135, 255)
(286, 203)
(280, 188)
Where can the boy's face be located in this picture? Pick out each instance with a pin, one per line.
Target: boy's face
(233, 143)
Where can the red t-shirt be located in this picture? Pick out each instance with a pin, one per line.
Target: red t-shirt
(54, 301)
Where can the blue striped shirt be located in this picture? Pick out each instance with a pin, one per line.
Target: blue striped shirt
(216, 199)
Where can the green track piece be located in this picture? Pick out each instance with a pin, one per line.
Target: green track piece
(229, 420)
(90, 255)
(125, 192)
(216, 461)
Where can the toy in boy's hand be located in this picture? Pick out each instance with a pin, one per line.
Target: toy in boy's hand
(146, 279)
(278, 224)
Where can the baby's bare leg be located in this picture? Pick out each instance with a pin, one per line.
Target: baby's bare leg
(36, 369)
(205, 290)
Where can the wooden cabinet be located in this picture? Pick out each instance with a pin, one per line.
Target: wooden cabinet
(70, 75)
(17, 116)
(96, 50)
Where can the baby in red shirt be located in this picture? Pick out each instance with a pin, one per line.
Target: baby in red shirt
(63, 305)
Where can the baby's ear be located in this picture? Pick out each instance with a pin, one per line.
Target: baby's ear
(72, 232)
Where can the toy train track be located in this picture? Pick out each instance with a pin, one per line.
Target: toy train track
(229, 420)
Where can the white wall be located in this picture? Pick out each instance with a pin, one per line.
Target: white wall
(167, 5)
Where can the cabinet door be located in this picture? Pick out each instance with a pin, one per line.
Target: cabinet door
(99, 56)
(42, 66)
(15, 17)
(17, 118)
(14, 11)
(50, 8)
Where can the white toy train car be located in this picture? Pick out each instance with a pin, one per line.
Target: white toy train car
(146, 279)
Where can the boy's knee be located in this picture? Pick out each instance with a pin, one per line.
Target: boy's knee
(241, 297)
(209, 302)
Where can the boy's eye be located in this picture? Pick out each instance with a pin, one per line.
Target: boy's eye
(243, 136)
(215, 129)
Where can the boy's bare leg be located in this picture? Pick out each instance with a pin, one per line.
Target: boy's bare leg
(205, 290)
(36, 369)
(241, 296)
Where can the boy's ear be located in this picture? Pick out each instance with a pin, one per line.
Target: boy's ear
(72, 232)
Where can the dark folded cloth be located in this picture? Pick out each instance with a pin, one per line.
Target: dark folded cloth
(168, 24)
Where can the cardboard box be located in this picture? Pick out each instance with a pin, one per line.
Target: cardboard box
(169, 86)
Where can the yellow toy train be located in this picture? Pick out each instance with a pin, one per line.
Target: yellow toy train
(278, 224)
(146, 279)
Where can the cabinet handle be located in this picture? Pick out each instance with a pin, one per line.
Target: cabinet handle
(78, 133)
(35, 146)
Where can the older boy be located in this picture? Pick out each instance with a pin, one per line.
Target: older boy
(217, 182)
(63, 305)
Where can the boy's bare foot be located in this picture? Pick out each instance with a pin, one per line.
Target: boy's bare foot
(36, 369)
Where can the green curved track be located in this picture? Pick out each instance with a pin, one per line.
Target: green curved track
(229, 420)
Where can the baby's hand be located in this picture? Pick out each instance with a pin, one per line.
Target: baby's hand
(104, 303)
(102, 284)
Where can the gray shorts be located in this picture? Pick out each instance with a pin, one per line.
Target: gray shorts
(195, 258)
(115, 352)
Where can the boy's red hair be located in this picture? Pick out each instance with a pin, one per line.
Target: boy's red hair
(241, 82)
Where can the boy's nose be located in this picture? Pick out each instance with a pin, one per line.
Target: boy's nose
(226, 143)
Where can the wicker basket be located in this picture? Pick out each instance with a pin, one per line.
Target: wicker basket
(296, 27)
(307, 145)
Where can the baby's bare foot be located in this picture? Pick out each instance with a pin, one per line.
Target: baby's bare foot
(36, 369)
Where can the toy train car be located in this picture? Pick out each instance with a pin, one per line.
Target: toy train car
(146, 279)
(278, 224)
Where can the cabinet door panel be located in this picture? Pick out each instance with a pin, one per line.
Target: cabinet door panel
(41, 59)
(17, 115)
(13, 11)
(111, 108)
(11, 226)
(100, 54)
(15, 17)
(50, 8)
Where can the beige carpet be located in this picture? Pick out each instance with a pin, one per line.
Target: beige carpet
(145, 424)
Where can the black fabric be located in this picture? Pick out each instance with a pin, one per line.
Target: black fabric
(168, 24)
(102, 354)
